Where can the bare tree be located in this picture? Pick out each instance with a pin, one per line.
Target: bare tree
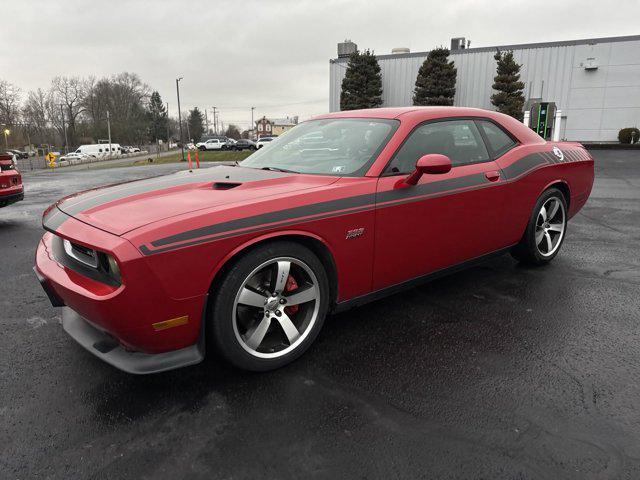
(68, 94)
(9, 103)
(36, 115)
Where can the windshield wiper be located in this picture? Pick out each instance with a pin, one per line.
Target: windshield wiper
(278, 169)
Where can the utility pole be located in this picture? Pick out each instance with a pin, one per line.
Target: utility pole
(180, 116)
(64, 128)
(215, 121)
(109, 132)
(168, 132)
(206, 122)
(252, 124)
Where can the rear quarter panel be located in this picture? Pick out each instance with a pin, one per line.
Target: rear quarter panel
(531, 169)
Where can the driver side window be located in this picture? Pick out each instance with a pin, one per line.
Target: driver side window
(459, 140)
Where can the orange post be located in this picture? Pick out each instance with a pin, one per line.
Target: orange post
(189, 160)
(197, 160)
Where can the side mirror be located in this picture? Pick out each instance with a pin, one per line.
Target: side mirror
(432, 163)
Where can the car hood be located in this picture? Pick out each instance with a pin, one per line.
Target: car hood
(121, 208)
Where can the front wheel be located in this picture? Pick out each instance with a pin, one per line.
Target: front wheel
(270, 306)
(545, 231)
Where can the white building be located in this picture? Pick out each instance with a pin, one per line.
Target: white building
(595, 82)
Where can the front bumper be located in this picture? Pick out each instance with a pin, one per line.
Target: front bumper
(131, 315)
(9, 199)
(103, 346)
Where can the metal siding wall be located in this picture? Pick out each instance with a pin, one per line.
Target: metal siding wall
(595, 104)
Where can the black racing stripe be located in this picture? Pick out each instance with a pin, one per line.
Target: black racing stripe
(524, 164)
(53, 219)
(146, 251)
(271, 217)
(441, 186)
(93, 198)
(550, 157)
(394, 196)
(332, 208)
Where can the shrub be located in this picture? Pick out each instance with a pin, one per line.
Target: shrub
(626, 135)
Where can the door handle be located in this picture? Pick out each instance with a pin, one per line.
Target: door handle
(492, 176)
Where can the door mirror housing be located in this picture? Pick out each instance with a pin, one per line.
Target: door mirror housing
(432, 163)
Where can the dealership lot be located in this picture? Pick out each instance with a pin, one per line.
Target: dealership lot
(501, 371)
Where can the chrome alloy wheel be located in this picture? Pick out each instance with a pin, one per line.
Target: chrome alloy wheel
(276, 307)
(550, 226)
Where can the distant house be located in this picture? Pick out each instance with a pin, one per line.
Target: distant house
(267, 127)
(281, 125)
(264, 127)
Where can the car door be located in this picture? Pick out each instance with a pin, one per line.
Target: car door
(445, 219)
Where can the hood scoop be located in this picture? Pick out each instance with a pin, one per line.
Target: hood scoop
(225, 185)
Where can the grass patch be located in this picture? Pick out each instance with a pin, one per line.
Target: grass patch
(206, 156)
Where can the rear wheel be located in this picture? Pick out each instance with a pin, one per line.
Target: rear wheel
(545, 231)
(270, 306)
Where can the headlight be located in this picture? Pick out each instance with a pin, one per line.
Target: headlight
(113, 268)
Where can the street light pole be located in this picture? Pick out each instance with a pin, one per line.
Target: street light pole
(252, 124)
(215, 121)
(180, 116)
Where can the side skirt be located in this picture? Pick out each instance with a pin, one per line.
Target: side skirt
(414, 282)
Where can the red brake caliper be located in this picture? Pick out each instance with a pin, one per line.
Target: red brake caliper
(289, 287)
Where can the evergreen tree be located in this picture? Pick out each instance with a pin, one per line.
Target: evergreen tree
(196, 124)
(436, 81)
(362, 83)
(158, 120)
(509, 98)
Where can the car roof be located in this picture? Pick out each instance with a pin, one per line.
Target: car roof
(421, 114)
(395, 112)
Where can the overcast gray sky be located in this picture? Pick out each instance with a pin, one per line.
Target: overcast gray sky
(273, 54)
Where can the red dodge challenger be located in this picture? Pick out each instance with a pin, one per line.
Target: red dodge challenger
(11, 189)
(343, 209)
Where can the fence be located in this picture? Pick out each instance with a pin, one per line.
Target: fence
(39, 163)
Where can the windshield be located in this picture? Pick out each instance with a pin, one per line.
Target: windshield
(334, 146)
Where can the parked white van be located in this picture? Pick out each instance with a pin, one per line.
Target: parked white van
(100, 150)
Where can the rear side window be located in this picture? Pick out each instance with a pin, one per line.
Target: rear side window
(460, 140)
(497, 139)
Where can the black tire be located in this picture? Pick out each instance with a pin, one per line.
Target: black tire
(202, 149)
(223, 335)
(527, 250)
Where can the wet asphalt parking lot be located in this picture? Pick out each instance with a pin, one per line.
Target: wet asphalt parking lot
(498, 372)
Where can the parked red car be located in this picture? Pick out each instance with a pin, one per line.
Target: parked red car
(11, 189)
(341, 210)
